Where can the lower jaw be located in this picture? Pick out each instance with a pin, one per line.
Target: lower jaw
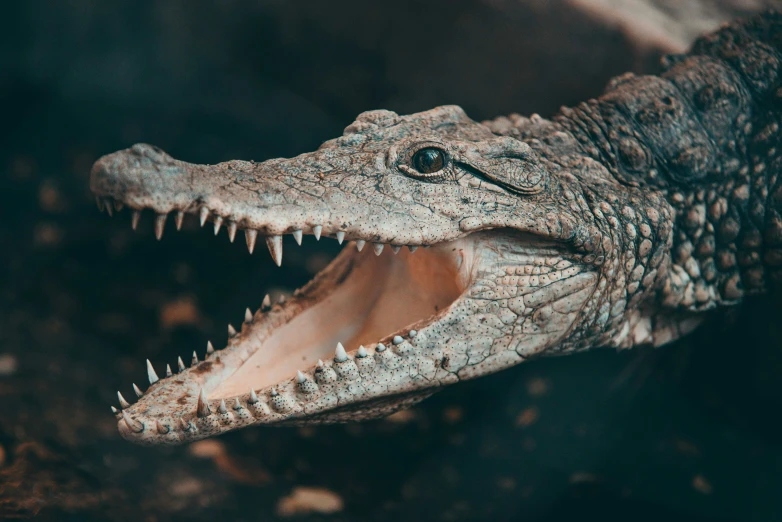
(359, 300)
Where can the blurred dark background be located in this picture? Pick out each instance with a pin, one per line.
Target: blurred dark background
(688, 432)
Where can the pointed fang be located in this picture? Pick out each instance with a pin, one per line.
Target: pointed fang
(300, 377)
(203, 216)
(160, 224)
(218, 221)
(250, 235)
(210, 349)
(180, 365)
(180, 218)
(248, 316)
(378, 247)
(231, 231)
(297, 235)
(114, 410)
(362, 352)
(137, 391)
(132, 423)
(134, 218)
(412, 248)
(231, 331)
(153, 378)
(396, 248)
(109, 208)
(237, 405)
(266, 305)
(340, 236)
(253, 397)
(340, 355)
(222, 409)
(122, 402)
(316, 231)
(161, 429)
(194, 361)
(360, 244)
(275, 248)
(169, 373)
(202, 409)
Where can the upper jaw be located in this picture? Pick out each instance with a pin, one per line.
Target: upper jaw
(302, 195)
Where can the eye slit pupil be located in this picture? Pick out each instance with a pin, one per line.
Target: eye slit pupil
(429, 160)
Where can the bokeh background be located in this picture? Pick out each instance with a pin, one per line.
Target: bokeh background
(688, 432)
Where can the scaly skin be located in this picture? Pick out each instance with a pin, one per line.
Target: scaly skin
(618, 223)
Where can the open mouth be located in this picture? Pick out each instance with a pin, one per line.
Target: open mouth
(366, 308)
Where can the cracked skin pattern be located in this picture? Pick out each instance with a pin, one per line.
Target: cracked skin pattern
(618, 222)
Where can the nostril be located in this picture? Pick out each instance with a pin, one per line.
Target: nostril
(151, 152)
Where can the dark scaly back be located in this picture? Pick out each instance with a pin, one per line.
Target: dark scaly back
(705, 134)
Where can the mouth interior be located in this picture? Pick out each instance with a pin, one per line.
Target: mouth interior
(380, 296)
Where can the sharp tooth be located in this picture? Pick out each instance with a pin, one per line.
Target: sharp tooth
(281, 299)
(297, 235)
(316, 230)
(153, 378)
(194, 360)
(250, 235)
(248, 316)
(184, 425)
(203, 215)
(222, 409)
(340, 236)
(122, 402)
(132, 423)
(137, 391)
(109, 208)
(218, 221)
(169, 373)
(210, 349)
(320, 364)
(275, 248)
(395, 249)
(273, 392)
(180, 365)
(378, 248)
(99, 202)
(253, 397)
(202, 410)
(134, 217)
(380, 348)
(180, 218)
(231, 331)
(231, 231)
(412, 248)
(160, 223)
(397, 339)
(362, 352)
(340, 355)
(360, 244)
(118, 206)
(160, 428)
(237, 405)
(114, 410)
(300, 377)
(266, 305)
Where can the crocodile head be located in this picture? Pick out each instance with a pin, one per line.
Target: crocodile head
(467, 252)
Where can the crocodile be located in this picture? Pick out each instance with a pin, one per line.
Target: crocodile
(475, 246)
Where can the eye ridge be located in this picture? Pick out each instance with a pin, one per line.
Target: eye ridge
(429, 160)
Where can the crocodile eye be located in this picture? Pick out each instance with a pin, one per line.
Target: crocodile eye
(429, 160)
